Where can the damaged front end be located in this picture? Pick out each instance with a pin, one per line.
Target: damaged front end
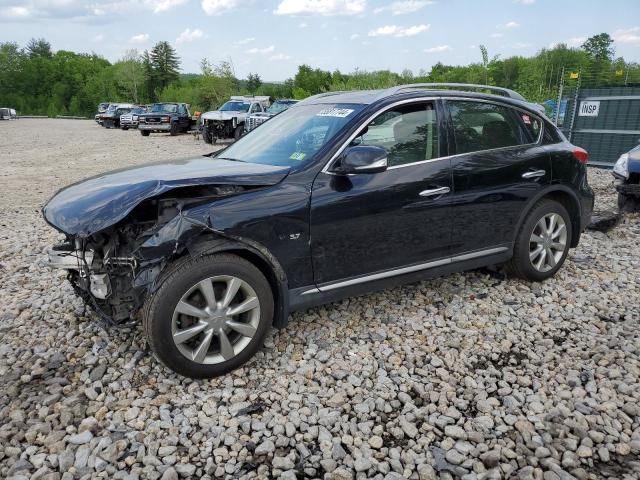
(123, 228)
(114, 269)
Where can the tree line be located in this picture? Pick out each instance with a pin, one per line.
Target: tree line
(35, 80)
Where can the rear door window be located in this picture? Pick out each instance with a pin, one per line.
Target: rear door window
(479, 126)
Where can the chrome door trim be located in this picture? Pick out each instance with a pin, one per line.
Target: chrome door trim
(434, 191)
(401, 271)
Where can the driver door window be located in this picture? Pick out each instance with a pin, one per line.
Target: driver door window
(409, 134)
(255, 108)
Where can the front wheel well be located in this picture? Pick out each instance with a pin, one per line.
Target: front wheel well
(573, 208)
(269, 267)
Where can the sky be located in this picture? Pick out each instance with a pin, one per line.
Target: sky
(273, 37)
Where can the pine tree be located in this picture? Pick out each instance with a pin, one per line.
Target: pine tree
(165, 64)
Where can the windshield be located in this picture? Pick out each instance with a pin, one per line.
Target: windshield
(164, 108)
(4, 111)
(278, 107)
(234, 106)
(293, 137)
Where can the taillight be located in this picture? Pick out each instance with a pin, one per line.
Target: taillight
(581, 154)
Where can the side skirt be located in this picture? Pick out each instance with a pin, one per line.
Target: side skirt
(312, 296)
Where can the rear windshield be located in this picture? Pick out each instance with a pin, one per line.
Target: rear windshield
(164, 108)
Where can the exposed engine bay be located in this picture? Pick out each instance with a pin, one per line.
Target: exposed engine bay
(112, 270)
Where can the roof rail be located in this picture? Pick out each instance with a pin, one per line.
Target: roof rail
(504, 92)
(323, 94)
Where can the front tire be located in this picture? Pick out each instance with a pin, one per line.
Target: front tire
(174, 129)
(145, 133)
(237, 133)
(209, 315)
(543, 242)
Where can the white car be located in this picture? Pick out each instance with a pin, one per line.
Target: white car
(8, 114)
(229, 120)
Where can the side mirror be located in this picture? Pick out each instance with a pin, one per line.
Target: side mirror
(362, 159)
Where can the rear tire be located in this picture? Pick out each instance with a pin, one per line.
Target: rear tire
(125, 128)
(145, 133)
(210, 288)
(543, 242)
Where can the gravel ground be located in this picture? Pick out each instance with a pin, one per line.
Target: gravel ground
(467, 376)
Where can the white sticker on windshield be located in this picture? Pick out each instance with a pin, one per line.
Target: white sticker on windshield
(334, 112)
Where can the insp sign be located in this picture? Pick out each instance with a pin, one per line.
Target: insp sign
(589, 109)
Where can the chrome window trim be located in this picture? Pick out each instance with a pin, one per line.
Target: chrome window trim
(325, 169)
(403, 270)
(447, 157)
(482, 100)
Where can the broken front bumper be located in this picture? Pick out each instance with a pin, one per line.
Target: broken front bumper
(64, 258)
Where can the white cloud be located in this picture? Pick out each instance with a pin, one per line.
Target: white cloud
(261, 51)
(403, 7)
(15, 13)
(217, 7)
(244, 41)
(303, 25)
(190, 36)
(627, 35)
(512, 24)
(438, 49)
(354, 36)
(497, 35)
(397, 31)
(162, 5)
(140, 38)
(280, 56)
(320, 7)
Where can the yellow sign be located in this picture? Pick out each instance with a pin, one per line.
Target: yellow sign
(574, 75)
(619, 73)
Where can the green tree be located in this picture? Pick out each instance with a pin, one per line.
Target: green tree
(599, 47)
(164, 65)
(253, 82)
(130, 75)
(39, 47)
(485, 63)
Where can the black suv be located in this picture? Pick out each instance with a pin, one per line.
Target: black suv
(339, 195)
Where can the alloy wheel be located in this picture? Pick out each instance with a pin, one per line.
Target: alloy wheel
(215, 319)
(548, 242)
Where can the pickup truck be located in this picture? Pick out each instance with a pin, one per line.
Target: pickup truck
(229, 120)
(111, 118)
(166, 117)
(274, 109)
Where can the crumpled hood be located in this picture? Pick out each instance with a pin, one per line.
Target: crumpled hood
(217, 115)
(94, 204)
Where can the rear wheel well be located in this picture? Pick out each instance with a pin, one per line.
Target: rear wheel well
(573, 208)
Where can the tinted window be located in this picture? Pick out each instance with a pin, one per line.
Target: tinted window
(409, 133)
(483, 126)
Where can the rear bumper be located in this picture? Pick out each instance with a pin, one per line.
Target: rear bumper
(160, 127)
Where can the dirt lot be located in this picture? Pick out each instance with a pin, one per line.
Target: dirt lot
(471, 376)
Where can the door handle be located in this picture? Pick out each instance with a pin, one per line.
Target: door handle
(534, 174)
(434, 191)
